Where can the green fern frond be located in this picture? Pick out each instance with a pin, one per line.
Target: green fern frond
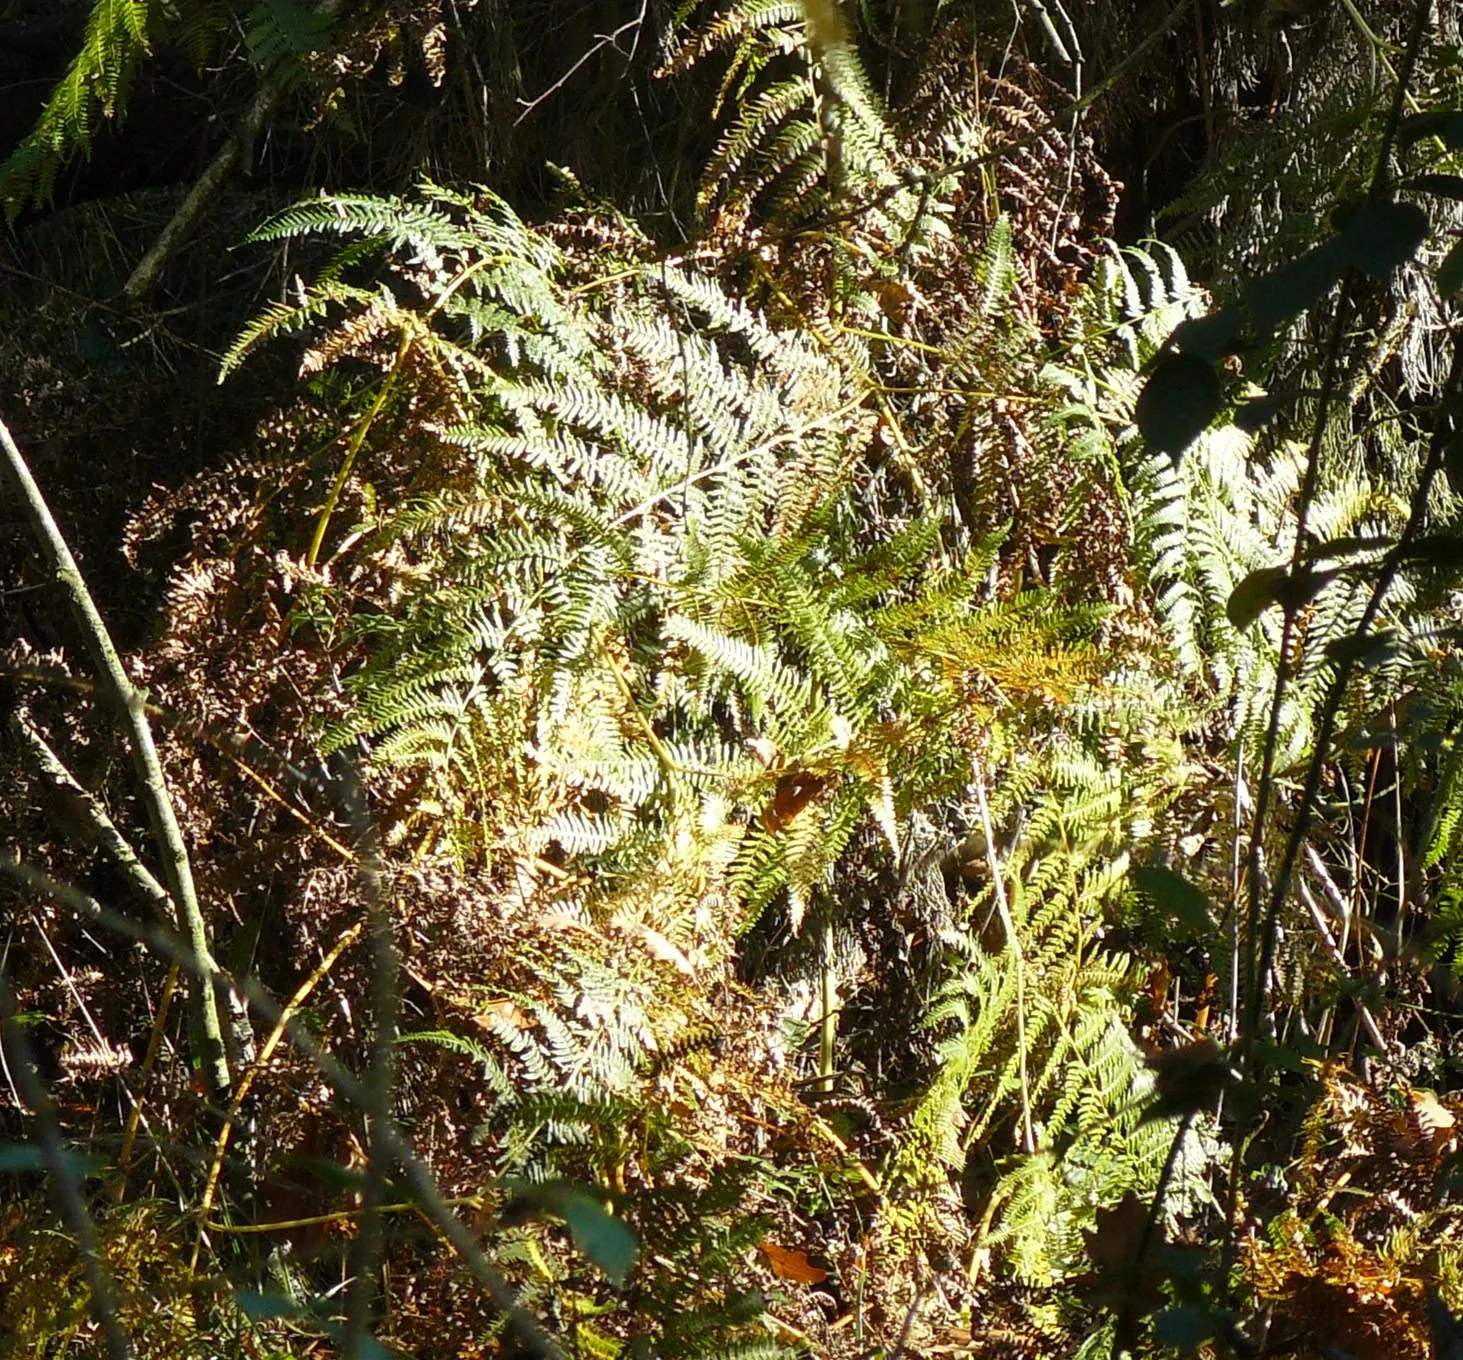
(116, 38)
(279, 34)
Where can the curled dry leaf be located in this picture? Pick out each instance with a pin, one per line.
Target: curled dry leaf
(505, 1010)
(659, 947)
(1430, 1125)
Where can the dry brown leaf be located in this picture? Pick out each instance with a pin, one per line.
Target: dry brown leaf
(1430, 1124)
(556, 920)
(658, 947)
(794, 792)
(506, 1010)
(788, 1264)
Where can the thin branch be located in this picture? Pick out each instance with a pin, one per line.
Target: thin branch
(604, 40)
(1390, 566)
(129, 702)
(100, 827)
(140, 281)
(240, 140)
(251, 1075)
(370, 1243)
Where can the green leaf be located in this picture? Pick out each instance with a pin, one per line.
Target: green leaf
(1446, 124)
(264, 1307)
(1178, 401)
(1258, 412)
(1275, 298)
(1450, 272)
(1366, 650)
(279, 33)
(1345, 546)
(1275, 585)
(1254, 595)
(1446, 1327)
(367, 1347)
(605, 1239)
(1189, 1079)
(1210, 337)
(1381, 237)
(1444, 550)
(1172, 893)
(602, 1237)
(272, 1305)
(1446, 186)
(22, 1157)
(1298, 1054)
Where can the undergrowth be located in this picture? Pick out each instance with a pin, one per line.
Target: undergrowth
(895, 774)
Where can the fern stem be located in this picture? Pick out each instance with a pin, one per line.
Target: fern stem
(825, 32)
(256, 1069)
(144, 275)
(369, 1247)
(1381, 175)
(1259, 945)
(667, 761)
(742, 456)
(828, 1000)
(118, 1189)
(998, 887)
(358, 438)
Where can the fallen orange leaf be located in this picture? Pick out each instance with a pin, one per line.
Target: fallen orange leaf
(788, 1264)
(795, 790)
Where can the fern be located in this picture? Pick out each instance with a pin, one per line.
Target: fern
(117, 36)
(807, 128)
(280, 34)
(638, 535)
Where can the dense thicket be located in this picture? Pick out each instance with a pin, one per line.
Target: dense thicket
(804, 671)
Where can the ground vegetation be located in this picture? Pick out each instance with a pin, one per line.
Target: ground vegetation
(776, 679)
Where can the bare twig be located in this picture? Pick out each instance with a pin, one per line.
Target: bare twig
(140, 281)
(604, 40)
(366, 1257)
(240, 140)
(100, 826)
(114, 683)
(149, 1061)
